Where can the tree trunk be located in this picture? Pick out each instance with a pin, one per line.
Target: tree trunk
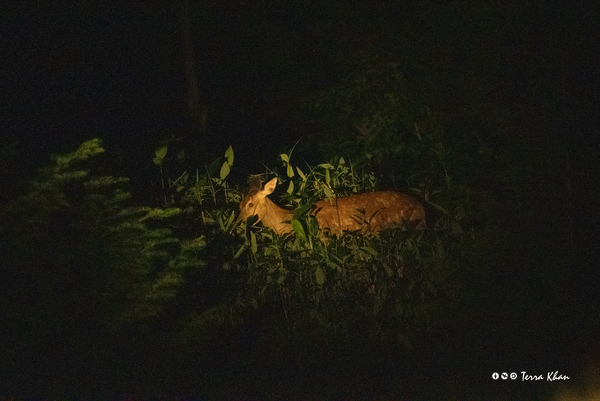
(196, 109)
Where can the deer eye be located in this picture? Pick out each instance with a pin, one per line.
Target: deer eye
(250, 204)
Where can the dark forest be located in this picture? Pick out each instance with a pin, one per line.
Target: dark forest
(131, 132)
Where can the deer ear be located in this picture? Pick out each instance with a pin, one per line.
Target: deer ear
(270, 186)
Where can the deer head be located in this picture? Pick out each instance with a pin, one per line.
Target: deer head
(255, 203)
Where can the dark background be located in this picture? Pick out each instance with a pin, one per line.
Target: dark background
(75, 71)
(79, 71)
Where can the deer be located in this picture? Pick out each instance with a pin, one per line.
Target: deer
(369, 212)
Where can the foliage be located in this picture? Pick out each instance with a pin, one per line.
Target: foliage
(208, 210)
(381, 287)
(368, 112)
(376, 113)
(87, 258)
(78, 255)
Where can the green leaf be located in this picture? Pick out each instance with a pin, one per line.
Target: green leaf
(222, 223)
(161, 152)
(229, 155)
(328, 192)
(230, 220)
(320, 276)
(438, 207)
(197, 243)
(290, 171)
(455, 227)
(239, 252)
(299, 230)
(212, 169)
(290, 189)
(284, 157)
(334, 266)
(369, 250)
(301, 173)
(253, 243)
(224, 170)
(302, 210)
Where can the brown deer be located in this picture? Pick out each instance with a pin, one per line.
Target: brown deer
(368, 212)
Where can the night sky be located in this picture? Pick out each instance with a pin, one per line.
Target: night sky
(75, 71)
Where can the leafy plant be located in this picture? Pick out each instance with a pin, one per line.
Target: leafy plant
(385, 287)
(368, 112)
(380, 286)
(78, 251)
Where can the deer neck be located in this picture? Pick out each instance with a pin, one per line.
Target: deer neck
(277, 218)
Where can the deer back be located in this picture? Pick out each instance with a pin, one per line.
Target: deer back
(369, 212)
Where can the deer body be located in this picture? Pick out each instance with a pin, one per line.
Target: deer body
(367, 212)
